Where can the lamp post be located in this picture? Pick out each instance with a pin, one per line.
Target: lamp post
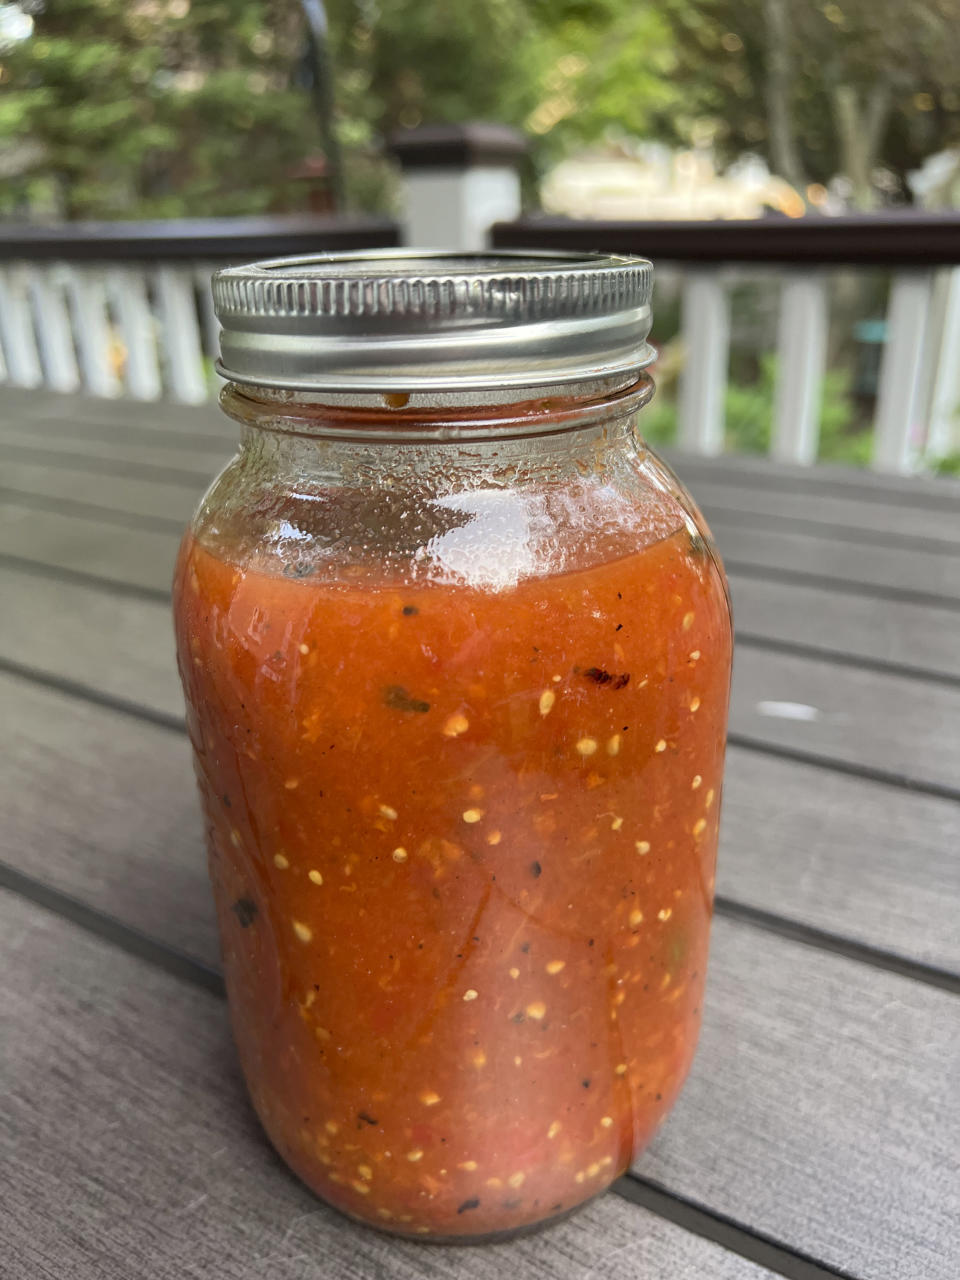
(322, 75)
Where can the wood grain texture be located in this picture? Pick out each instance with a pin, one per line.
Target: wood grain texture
(840, 514)
(923, 509)
(130, 1150)
(838, 853)
(173, 503)
(852, 709)
(854, 567)
(79, 415)
(78, 411)
(924, 491)
(823, 1106)
(895, 631)
(138, 557)
(122, 457)
(104, 808)
(146, 556)
(120, 646)
(162, 483)
(888, 722)
(847, 855)
(835, 853)
(843, 497)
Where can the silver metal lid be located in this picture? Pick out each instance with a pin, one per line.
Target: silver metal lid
(408, 320)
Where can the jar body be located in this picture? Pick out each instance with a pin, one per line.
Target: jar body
(458, 711)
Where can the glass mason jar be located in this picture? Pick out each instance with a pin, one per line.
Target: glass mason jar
(456, 653)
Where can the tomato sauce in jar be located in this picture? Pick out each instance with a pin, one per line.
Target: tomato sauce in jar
(462, 811)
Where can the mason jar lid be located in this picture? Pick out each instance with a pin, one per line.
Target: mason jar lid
(412, 320)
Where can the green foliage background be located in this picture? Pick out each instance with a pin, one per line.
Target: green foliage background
(117, 109)
(146, 108)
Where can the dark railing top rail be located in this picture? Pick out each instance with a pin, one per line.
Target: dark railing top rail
(456, 146)
(900, 238)
(195, 238)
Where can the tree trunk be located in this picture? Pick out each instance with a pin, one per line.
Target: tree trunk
(783, 147)
(860, 130)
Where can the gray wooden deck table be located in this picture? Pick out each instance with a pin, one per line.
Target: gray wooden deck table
(819, 1134)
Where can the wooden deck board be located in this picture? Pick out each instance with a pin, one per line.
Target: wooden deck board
(163, 1173)
(849, 709)
(758, 506)
(852, 568)
(797, 840)
(898, 632)
(835, 853)
(822, 1107)
(821, 1113)
(857, 717)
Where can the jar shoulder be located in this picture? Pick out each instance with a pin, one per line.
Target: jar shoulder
(489, 515)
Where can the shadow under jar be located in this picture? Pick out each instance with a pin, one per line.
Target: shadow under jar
(456, 653)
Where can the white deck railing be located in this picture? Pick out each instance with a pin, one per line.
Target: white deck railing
(917, 414)
(917, 410)
(125, 310)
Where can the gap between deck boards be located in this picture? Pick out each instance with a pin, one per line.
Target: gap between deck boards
(755, 1246)
(197, 480)
(729, 1234)
(743, 638)
(871, 773)
(762, 521)
(216, 430)
(161, 953)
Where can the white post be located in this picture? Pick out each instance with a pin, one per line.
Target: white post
(458, 180)
(180, 334)
(85, 286)
(16, 329)
(802, 354)
(943, 430)
(895, 439)
(54, 332)
(127, 292)
(705, 325)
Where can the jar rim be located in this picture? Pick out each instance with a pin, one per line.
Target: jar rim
(408, 320)
(439, 422)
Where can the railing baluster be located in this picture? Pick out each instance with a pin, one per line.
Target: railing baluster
(53, 328)
(127, 292)
(208, 317)
(802, 353)
(180, 334)
(943, 434)
(895, 446)
(706, 335)
(85, 287)
(16, 329)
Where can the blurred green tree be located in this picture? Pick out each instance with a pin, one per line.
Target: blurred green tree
(606, 70)
(861, 88)
(408, 62)
(156, 107)
(401, 63)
